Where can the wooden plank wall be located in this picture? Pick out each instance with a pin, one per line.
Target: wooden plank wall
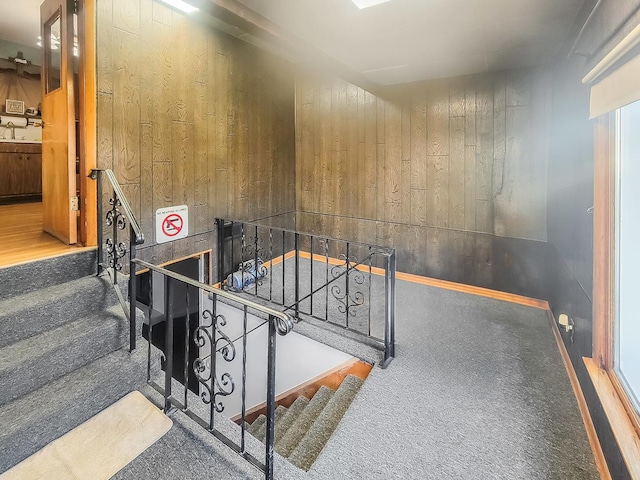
(467, 154)
(187, 115)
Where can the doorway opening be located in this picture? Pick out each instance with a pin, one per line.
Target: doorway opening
(26, 63)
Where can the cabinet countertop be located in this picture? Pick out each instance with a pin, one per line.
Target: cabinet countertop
(10, 147)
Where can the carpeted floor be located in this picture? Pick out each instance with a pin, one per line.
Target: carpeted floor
(478, 390)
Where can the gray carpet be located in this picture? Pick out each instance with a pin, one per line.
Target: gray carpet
(32, 421)
(478, 390)
(33, 276)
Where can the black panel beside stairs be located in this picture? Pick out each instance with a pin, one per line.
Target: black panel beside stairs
(189, 268)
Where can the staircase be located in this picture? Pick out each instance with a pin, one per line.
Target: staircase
(63, 352)
(64, 357)
(303, 429)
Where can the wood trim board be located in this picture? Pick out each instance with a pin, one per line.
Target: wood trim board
(621, 425)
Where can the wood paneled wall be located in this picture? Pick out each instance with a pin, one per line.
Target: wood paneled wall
(467, 153)
(187, 115)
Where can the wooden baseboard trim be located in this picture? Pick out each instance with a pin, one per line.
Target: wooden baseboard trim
(180, 259)
(594, 442)
(434, 282)
(621, 425)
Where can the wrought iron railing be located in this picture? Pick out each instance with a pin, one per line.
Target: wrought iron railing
(115, 243)
(349, 285)
(218, 343)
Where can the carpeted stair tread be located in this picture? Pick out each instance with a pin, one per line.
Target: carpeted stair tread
(256, 425)
(318, 435)
(32, 313)
(32, 421)
(32, 276)
(304, 421)
(261, 434)
(30, 363)
(293, 412)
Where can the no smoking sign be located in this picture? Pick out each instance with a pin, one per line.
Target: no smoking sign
(172, 223)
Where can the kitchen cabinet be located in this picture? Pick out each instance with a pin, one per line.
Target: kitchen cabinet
(20, 171)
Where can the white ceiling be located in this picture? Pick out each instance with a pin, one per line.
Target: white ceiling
(20, 21)
(398, 41)
(408, 40)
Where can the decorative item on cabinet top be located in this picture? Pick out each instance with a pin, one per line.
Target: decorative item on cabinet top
(14, 106)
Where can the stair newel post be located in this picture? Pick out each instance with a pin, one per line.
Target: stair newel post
(390, 308)
(132, 289)
(271, 398)
(168, 342)
(297, 280)
(97, 176)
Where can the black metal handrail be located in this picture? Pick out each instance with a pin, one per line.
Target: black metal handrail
(118, 217)
(343, 269)
(214, 384)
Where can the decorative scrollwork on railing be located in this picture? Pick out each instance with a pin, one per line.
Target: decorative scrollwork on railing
(254, 247)
(115, 250)
(347, 300)
(204, 368)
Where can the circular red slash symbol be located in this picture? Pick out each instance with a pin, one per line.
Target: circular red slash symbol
(172, 225)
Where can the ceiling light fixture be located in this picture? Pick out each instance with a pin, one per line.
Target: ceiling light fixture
(180, 5)
(368, 3)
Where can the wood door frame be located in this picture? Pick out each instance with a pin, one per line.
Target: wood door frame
(87, 231)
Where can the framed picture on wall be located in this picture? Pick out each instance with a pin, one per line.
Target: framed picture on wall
(14, 106)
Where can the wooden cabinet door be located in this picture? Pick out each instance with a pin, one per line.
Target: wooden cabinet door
(58, 115)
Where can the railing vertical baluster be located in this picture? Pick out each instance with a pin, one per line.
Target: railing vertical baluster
(271, 263)
(132, 290)
(296, 239)
(187, 325)
(233, 268)
(392, 301)
(346, 298)
(150, 331)
(243, 247)
(115, 240)
(283, 269)
(168, 342)
(271, 398)
(389, 289)
(326, 290)
(255, 259)
(369, 303)
(220, 223)
(244, 379)
(311, 276)
(212, 360)
(100, 232)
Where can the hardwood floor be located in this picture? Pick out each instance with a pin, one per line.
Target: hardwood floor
(22, 239)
